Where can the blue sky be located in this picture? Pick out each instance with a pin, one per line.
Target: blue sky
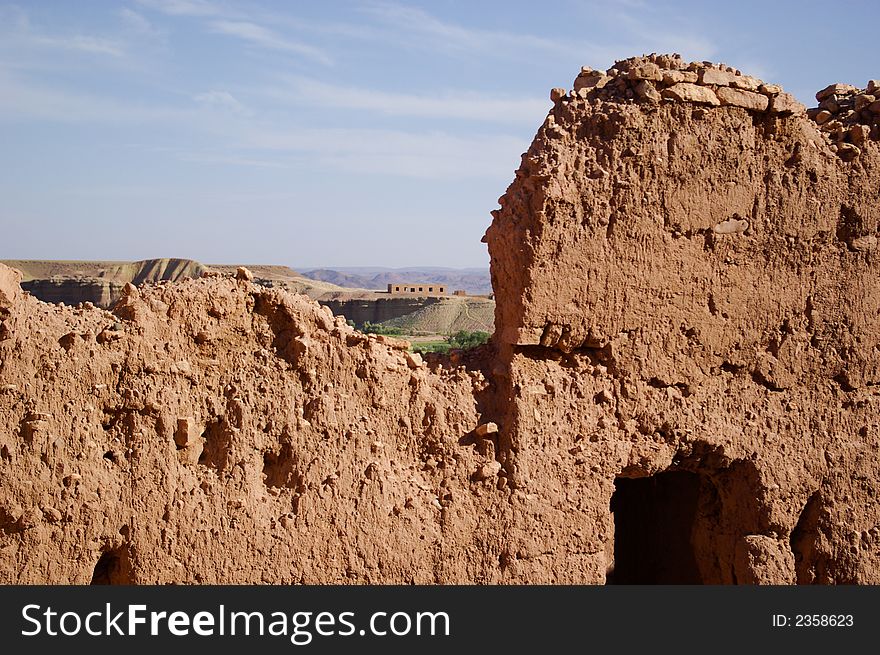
(330, 133)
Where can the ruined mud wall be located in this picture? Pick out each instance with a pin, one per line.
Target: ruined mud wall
(216, 431)
(687, 282)
(682, 386)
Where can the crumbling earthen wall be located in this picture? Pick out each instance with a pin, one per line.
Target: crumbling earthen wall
(686, 283)
(682, 385)
(216, 431)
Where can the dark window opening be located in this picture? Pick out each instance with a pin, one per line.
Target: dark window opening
(113, 567)
(653, 528)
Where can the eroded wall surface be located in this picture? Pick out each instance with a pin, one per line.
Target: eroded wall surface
(686, 281)
(682, 385)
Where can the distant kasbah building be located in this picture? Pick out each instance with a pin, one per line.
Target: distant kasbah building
(418, 289)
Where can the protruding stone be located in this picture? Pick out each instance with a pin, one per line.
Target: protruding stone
(592, 82)
(685, 92)
(486, 429)
(715, 76)
(785, 104)
(130, 291)
(858, 134)
(188, 431)
(830, 104)
(745, 82)
(864, 244)
(873, 86)
(414, 360)
(647, 71)
(744, 99)
(51, 514)
(676, 76)
(848, 151)
(488, 471)
(646, 91)
(241, 273)
(770, 89)
(864, 100)
(837, 89)
(557, 93)
(823, 117)
(731, 226)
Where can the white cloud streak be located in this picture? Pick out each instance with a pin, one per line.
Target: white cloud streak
(222, 100)
(434, 155)
(137, 23)
(266, 38)
(185, 7)
(457, 105)
(421, 25)
(24, 101)
(245, 141)
(18, 35)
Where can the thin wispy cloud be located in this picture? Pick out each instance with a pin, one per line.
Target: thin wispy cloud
(79, 43)
(458, 105)
(447, 36)
(222, 100)
(185, 7)
(18, 34)
(138, 23)
(266, 38)
(227, 160)
(432, 155)
(642, 27)
(30, 101)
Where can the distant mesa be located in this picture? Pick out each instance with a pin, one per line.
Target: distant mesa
(100, 282)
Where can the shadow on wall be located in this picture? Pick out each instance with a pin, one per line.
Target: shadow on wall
(700, 523)
(654, 518)
(113, 567)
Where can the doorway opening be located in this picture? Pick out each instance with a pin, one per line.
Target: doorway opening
(113, 567)
(654, 519)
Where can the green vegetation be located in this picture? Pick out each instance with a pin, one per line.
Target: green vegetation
(441, 346)
(462, 340)
(465, 340)
(378, 328)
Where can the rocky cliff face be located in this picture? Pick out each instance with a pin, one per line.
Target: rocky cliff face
(682, 386)
(98, 283)
(75, 290)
